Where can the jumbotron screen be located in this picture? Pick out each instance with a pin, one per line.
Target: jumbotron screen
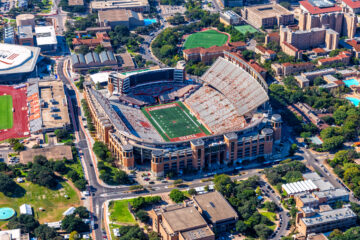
(155, 76)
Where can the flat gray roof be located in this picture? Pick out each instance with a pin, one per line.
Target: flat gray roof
(215, 206)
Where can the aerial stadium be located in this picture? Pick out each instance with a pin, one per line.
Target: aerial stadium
(162, 119)
(16, 61)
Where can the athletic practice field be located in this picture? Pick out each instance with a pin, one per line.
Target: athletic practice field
(205, 39)
(246, 28)
(174, 122)
(6, 114)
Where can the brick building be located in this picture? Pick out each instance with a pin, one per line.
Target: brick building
(102, 39)
(286, 69)
(267, 15)
(343, 57)
(208, 55)
(188, 221)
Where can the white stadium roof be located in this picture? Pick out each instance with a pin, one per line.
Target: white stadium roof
(299, 187)
(12, 55)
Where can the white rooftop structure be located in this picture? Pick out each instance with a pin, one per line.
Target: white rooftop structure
(101, 77)
(56, 225)
(299, 187)
(14, 234)
(26, 209)
(12, 56)
(45, 35)
(69, 211)
(329, 216)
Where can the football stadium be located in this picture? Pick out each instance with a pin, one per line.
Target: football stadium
(160, 118)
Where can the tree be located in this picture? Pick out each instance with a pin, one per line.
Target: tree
(293, 149)
(154, 236)
(177, 196)
(333, 143)
(82, 212)
(270, 206)
(80, 184)
(142, 215)
(83, 49)
(286, 5)
(99, 49)
(192, 191)
(74, 235)
(42, 175)
(262, 231)
(223, 184)
(241, 227)
(178, 182)
(72, 223)
(18, 147)
(60, 167)
(73, 175)
(27, 223)
(62, 134)
(44, 232)
(7, 185)
(131, 232)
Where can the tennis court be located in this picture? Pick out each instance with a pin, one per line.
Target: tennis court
(246, 28)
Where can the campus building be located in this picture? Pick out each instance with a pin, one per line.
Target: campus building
(230, 18)
(286, 69)
(93, 60)
(208, 55)
(102, 39)
(134, 5)
(46, 38)
(125, 17)
(267, 15)
(208, 213)
(229, 102)
(25, 35)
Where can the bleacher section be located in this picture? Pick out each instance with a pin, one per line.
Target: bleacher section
(215, 111)
(34, 109)
(136, 122)
(237, 85)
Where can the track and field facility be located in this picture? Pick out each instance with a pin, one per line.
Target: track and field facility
(6, 116)
(174, 122)
(13, 124)
(205, 39)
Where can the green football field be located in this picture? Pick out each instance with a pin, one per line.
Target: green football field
(6, 116)
(205, 39)
(246, 28)
(174, 122)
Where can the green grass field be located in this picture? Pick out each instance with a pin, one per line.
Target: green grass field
(6, 116)
(271, 216)
(119, 212)
(53, 202)
(174, 122)
(205, 39)
(246, 28)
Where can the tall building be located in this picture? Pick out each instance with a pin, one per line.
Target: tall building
(343, 23)
(9, 35)
(125, 17)
(267, 15)
(230, 18)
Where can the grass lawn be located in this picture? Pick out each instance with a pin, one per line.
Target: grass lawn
(6, 116)
(246, 28)
(119, 212)
(174, 121)
(271, 216)
(52, 201)
(205, 39)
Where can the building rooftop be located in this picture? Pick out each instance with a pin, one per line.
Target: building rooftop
(119, 4)
(45, 35)
(329, 216)
(76, 2)
(332, 193)
(319, 6)
(215, 207)
(299, 187)
(17, 58)
(183, 219)
(269, 10)
(352, 4)
(199, 233)
(25, 32)
(115, 15)
(311, 176)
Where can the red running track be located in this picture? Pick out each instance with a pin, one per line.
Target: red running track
(20, 117)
